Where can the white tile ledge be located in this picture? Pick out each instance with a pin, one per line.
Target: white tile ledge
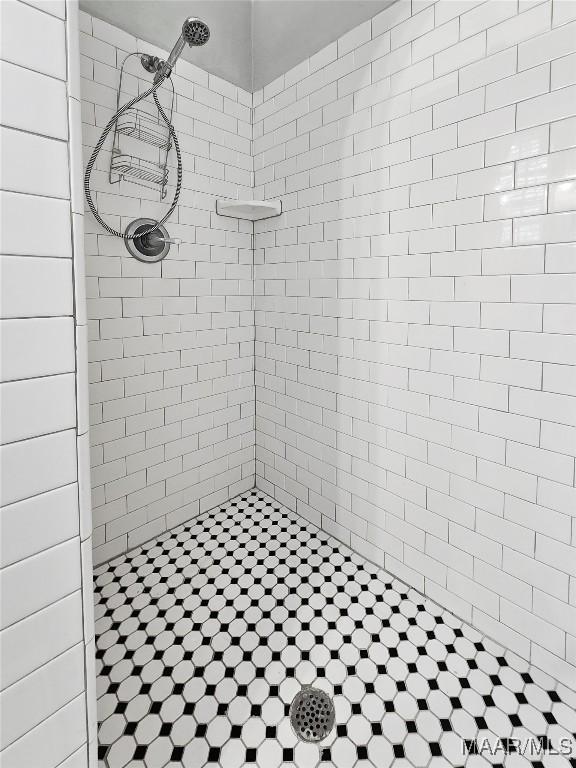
(252, 210)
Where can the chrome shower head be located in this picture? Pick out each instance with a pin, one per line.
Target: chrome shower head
(195, 32)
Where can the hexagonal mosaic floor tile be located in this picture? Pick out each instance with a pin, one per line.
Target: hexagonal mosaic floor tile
(205, 636)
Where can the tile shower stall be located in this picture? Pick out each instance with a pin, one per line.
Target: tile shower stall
(301, 494)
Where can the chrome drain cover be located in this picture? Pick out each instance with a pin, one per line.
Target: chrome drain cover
(312, 714)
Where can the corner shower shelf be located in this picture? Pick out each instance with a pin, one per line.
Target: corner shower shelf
(137, 169)
(145, 127)
(252, 210)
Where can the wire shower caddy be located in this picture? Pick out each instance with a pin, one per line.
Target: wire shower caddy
(145, 127)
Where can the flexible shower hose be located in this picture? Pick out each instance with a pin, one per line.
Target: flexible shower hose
(98, 147)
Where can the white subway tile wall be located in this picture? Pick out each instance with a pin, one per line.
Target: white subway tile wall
(171, 345)
(415, 323)
(46, 698)
(415, 317)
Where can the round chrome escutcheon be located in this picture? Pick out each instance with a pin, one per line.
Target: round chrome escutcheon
(151, 247)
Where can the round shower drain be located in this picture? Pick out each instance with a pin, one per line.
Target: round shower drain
(312, 714)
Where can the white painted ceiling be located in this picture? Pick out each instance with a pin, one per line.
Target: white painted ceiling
(252, 41)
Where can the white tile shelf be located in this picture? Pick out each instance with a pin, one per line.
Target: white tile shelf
(251, 210)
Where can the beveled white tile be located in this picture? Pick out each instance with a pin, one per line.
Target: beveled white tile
(520, 27)
(53, 458)
(55, 7)
(546, 168)
(551, 106)
(52, 741)
(33, 39)
(553, 228)
(562, 134)
(32, 699)
(550, 45)
(50, 235)
(37, 347)
(519, 87)
(487, 70)
(562, 196)
(38, 523)
(35, 287)
(45, 102)
(521, 144)
(37, 407)
(40, 580)
(513, 203)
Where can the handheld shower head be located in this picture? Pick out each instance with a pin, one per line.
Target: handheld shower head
(194, 32)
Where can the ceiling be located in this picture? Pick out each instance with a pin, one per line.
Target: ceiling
(252, 41)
